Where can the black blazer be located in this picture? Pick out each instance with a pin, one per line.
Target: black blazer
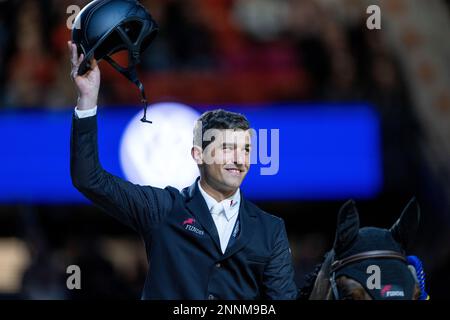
(181, 240)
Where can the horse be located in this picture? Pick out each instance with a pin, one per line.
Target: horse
(369, 263)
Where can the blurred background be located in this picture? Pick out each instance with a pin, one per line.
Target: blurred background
(265, 58)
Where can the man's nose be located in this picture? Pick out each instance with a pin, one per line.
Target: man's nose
(239, 157)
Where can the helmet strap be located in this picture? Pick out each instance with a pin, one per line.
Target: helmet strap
(131, 72)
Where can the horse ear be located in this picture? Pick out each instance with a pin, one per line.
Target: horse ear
(405, 228)
(347, 226)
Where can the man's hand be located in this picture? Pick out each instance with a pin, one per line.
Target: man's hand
(88, 84)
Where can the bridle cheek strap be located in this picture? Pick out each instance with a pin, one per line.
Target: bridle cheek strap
(334, 287)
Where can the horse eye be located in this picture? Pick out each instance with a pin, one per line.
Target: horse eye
(346, 293)
(348, 296)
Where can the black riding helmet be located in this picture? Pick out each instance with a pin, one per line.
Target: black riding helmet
(105, 27)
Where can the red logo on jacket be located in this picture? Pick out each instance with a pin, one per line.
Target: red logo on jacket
(189, 221)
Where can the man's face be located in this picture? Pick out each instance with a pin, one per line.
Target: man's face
(226, 160)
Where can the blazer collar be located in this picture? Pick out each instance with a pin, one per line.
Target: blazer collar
(247, 219)
(230, 205)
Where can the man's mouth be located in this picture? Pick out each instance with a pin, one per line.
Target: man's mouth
(234, 171)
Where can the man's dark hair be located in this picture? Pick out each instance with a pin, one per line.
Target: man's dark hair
(218, 119)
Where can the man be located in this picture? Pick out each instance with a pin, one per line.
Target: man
(205, 242)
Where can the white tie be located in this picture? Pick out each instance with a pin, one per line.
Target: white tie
(221, 222)
(217, 209)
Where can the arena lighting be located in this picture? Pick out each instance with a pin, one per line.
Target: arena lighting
(327, 151)
(160, 154)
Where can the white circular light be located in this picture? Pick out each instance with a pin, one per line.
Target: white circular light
(159, 154)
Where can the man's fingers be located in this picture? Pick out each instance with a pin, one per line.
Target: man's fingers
(76, 60)
(74, 73)
(74, 54)
(80, 59)
(69, 45)
(93, 63)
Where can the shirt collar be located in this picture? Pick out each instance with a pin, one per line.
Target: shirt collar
(230, 204)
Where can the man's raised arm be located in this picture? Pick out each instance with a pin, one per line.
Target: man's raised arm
(136, 206)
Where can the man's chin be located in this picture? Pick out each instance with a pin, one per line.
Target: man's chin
(233, 183)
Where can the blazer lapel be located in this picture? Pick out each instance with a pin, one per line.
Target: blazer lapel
(197, 206)
(248, 222)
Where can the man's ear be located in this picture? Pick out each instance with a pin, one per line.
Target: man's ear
(197, 154)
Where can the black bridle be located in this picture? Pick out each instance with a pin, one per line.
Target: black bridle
(375, 254)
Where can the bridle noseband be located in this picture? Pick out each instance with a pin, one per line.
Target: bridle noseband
(375, 254)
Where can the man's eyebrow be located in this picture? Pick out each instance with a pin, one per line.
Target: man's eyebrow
(227, 144)
(232, 144)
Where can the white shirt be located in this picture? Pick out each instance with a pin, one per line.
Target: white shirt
(86, 113)
(224, 214)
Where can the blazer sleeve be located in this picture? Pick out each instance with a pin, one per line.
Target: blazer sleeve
(278, 279)
(139, 207)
